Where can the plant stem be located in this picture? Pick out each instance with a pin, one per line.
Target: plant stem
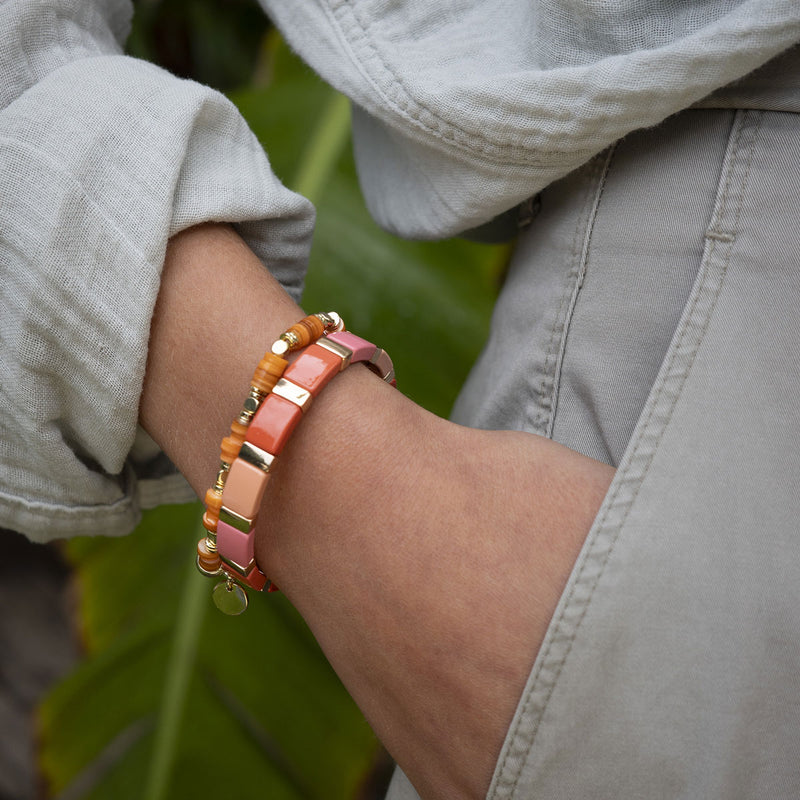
(189, 623)
(323, 150)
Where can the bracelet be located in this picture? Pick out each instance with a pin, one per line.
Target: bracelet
(259, 434)
(267, 373)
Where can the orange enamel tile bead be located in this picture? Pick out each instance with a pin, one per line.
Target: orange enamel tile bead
(273, 424)
(314, 369)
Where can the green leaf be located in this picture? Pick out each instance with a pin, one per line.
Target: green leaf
(178, 700)
(174, 700)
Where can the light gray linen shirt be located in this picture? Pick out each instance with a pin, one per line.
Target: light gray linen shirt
(462, 109)
(102, 159)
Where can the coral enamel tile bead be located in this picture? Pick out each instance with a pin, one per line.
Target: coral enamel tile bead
(273, 424)
(314, 369)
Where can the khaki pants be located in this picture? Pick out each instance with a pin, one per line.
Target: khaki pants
(651, 318)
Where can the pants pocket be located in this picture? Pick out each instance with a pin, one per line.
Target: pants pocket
(671, 665)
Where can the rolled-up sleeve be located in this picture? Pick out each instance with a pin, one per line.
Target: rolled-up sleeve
(102, 159)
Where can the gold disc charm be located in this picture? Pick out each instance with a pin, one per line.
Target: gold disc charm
(229, 598)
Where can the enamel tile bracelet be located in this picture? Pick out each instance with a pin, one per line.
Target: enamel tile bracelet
(279, 395)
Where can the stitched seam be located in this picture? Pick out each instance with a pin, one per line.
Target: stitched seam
(523, 746)
(577, 290)
(719, 213)
(611, 506)
(544, 391)
(759, 115)
(541, 392)
(470, 143)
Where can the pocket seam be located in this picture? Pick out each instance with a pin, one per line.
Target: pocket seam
(638, 458)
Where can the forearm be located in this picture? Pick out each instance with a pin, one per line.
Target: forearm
(217, 313)
(426, 557)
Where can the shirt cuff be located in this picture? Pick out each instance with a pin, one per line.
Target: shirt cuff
(101, 162)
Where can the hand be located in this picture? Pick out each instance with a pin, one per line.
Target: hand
(427, 558)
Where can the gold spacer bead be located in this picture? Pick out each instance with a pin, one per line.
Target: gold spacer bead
(331, 320)
(250, 406)
(291, 339)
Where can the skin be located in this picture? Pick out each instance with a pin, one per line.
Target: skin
(427, 558)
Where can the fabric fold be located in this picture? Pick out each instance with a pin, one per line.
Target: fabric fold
(102, 159)
(468, 108)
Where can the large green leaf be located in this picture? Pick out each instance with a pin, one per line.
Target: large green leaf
(427, 303)
(175, 700)
(263, 710)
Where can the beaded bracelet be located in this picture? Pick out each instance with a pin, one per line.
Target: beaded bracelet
(259, 435)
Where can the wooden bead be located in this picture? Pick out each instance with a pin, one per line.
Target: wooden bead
(229, 449)
(210, 520)
(238, 431)
(308, 330)
(268, 372)
(207, 559)
(213, 501)
(302, 335)
(314, 325)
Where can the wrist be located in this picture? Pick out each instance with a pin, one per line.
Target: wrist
(217, 312)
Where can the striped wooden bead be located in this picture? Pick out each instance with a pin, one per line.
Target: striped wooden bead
(229, 449)
(302, 333)
(207, 559)
(268, 372)
(210, 520)
(213, 503)
(213, 500)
